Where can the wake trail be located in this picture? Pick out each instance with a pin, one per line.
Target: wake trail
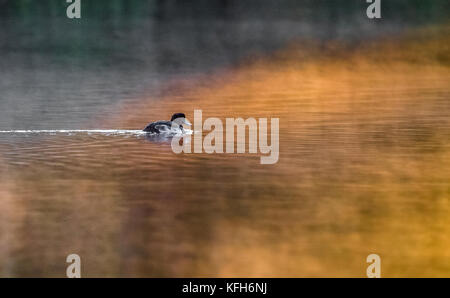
(76, 131)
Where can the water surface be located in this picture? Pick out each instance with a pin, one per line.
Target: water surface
(364, 161)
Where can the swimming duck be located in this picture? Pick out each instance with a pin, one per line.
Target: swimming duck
(175, 125)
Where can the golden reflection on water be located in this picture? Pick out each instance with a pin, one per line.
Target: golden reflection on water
(364, 168)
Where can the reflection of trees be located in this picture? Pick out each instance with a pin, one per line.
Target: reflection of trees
(167, 9)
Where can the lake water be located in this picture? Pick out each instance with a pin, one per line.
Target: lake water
(364, 162)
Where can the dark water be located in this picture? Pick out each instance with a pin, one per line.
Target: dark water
(364, 151)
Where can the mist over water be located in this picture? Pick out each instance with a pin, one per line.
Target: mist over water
(364, 129)
(62, 74)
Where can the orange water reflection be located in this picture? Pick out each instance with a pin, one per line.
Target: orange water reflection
(364, 168)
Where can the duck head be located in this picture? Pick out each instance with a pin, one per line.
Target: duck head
(180, 118)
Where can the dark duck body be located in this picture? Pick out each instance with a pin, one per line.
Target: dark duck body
(175, 125)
